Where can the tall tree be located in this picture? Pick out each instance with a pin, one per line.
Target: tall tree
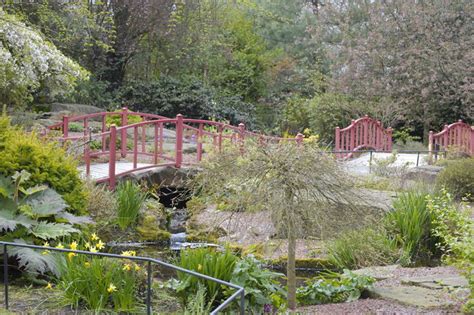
(414, 57)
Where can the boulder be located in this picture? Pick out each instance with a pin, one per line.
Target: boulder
(412, 296)
(426, 173)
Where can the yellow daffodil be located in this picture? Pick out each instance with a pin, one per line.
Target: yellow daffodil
(137, 267)
(60, 246)
(87, 245)
(199, 267)
(111, 288)
(73, 245)
(49, 286)
(70, 255)
(129, 253)
(127, 267)
(99, 245)
(94, 237)
(45, 252)
(93, 250)
(46, 244)
(87, 264)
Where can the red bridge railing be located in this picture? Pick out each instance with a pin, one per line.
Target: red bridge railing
(159, 139)
(363, 133)
(458, 135)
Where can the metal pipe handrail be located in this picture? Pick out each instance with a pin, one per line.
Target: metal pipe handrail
(240, 290)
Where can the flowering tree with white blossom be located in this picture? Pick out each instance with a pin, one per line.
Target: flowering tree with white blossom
(30, 66)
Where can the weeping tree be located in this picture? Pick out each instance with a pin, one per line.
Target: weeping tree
(304, 189)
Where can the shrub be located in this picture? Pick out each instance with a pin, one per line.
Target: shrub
(45, 161)
(332, 287)
(207, 261)
(410, 226)
(117, 119)
(362, 248)
(100, 283)
(262, 288)
(101, 203)
(455, 230)
(458, 178)
(130, 199)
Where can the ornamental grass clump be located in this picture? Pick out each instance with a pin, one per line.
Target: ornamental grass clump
(409, 224)
(207, 261)
(97, 283)
(130, 199)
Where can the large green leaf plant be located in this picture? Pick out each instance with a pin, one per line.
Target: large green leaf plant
(33, 215)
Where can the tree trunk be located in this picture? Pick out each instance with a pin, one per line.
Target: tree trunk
(291, 268)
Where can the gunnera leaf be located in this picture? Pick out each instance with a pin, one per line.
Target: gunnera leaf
(6, 187)
(34, 261)
(74, 219)
(46, 203)
(47, 230)
(9, 221)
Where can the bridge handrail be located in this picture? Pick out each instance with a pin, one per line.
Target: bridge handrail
(364, 132)
(240, 290)
(462, 137)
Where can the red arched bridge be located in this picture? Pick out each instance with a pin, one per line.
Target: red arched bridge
(123, 142)
(134, 138)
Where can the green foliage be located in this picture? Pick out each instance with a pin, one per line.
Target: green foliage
(334, 288)
(32, 215)
(362, 248)
(199, 304)
(117, 119)
(207, 261)
(130, 199)
(100, 283)
(404, 135)
(329, 111)
(170, 96)
(458, 178)
(409, 224)
(261, 285)
(75, 127)
(44, 160)
(454, 228)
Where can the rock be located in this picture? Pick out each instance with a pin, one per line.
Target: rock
(426, 173)
(153, 221)
(178, 221)
(378, 272)
(438, 281)
(413, 296)
(165, 176)
(75, 108)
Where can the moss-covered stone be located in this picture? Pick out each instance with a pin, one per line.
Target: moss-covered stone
(148, 230)
(205, 235)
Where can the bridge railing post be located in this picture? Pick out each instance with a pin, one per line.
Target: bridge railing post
(113, 139)
(179, 140)
(65, 126)
(337, 141)
(389, 139)
(123, 132)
